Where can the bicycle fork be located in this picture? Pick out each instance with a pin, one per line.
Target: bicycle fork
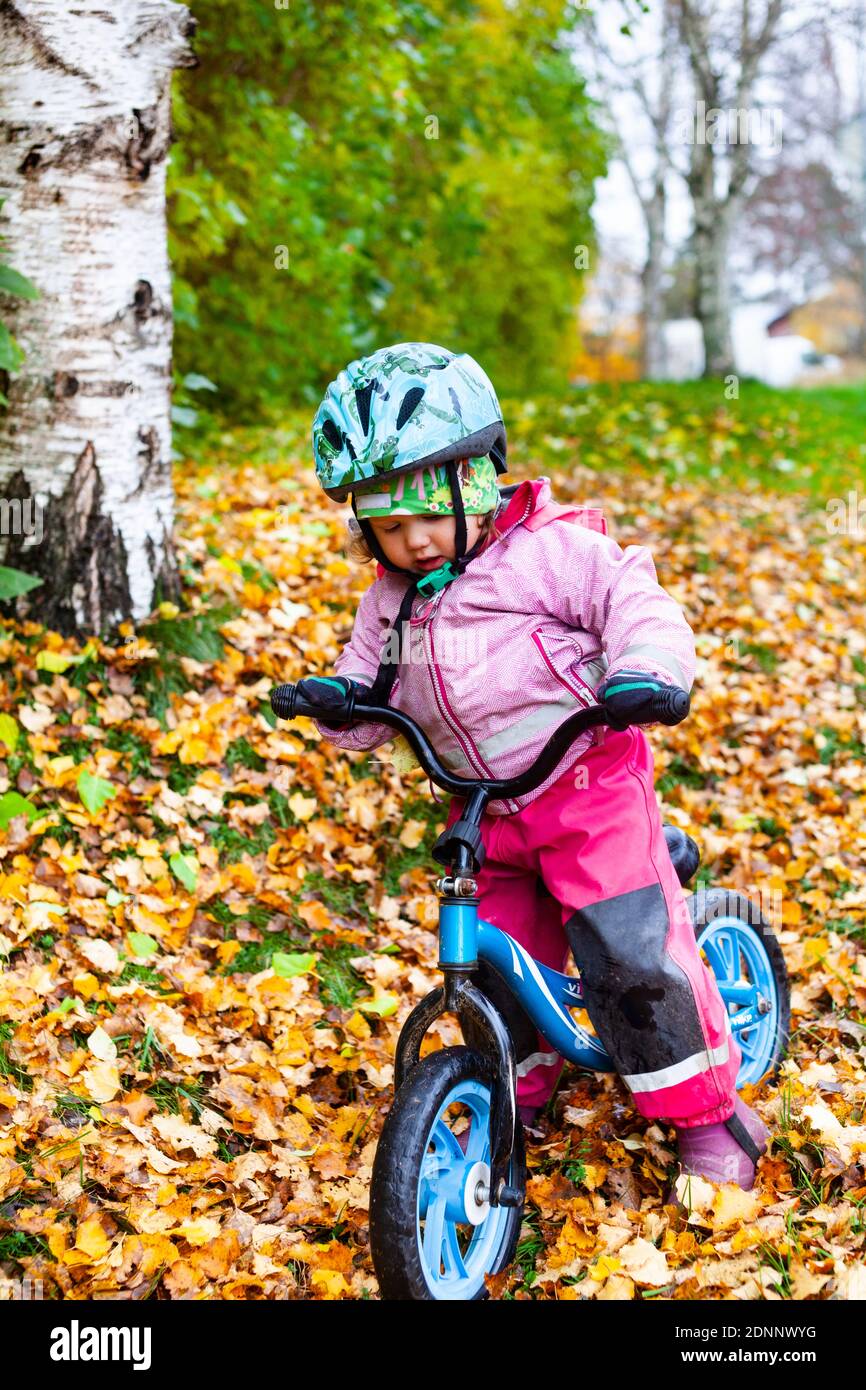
(547, 996)
(458, 936)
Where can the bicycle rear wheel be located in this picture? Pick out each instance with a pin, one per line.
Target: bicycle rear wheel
(741, 949)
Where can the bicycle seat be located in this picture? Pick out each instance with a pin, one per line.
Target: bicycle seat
(683, 851)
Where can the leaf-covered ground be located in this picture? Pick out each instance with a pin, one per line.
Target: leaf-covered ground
(213, 928)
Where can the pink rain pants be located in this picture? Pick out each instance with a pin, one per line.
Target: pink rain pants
(585, 867)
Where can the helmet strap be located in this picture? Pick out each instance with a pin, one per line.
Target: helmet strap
(459, 513)
(462, 556)
(380, 693)
(387, 673)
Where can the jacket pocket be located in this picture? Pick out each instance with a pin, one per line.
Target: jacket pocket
(562, 654)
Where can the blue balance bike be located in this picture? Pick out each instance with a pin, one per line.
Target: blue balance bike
(449, 1177)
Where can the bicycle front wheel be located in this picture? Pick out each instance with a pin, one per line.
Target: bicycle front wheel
(433, 1232)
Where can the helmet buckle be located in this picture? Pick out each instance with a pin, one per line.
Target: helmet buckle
(437, 579)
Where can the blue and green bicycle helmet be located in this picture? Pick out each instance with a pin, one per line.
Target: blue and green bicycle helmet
(400, 408)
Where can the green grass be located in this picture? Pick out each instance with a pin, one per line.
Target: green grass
(170, 1097)
(233, 845)
(93, 669)
(281, 811)
(343, 896)
(832, 744)
(766, 657)
(810, 440)
(848, 927)
(16, 1246)
(339, 984)
(399, 859)
(770, 827)
(136, 749)
(770, 1258)
(529, 1246)
(18, 760)
(255, 913)
(683, 774)
(242, 753)
(150, 1051)
(146, 975)
(9, 1067)
(257, 955)
(68, 1107)
(183, 776)
(800, 1176)
(190, 634)
(572, 1165)
(156, 682)
(75, 747)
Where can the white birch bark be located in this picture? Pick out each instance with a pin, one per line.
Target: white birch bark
(84, 133)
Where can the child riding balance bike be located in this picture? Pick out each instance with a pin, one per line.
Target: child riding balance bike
(554, 840)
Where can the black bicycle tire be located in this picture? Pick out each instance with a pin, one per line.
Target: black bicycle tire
(707, 905)
(396, 1167)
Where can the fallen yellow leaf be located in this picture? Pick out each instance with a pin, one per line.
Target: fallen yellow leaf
(91, 1238)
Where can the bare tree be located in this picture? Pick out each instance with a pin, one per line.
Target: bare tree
(86, 437)
(725, 66)
(804, 228)
(639, 94)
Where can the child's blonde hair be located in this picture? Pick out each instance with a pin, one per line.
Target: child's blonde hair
(358, 549)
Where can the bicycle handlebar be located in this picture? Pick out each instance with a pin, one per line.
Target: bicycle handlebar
(668, 707)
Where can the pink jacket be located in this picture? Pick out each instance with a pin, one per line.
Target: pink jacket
(495, 661)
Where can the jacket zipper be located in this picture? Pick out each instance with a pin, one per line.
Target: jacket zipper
(585, 695)
(462, 735)
(438, 684)
(525, 514)
(472, 755)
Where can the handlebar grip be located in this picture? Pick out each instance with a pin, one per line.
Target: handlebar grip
(283, 701)
(671, 706)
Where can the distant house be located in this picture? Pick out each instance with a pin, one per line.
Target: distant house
(765, 347)
(781, 324)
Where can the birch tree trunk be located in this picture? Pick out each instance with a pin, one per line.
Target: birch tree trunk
(654, 356)
(712, 285)
(715, 205)
(651, 102)
(712, 217)
(84, 134)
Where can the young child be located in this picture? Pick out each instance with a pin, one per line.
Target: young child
(505, 618)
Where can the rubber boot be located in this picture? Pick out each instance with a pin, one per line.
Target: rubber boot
(529, 1116)
(725, 1152)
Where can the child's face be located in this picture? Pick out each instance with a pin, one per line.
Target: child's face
(421, 542)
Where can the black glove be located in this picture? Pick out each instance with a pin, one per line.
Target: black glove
(335, 695)
(628, 697)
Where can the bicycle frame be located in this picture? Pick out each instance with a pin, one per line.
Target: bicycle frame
(546, 995)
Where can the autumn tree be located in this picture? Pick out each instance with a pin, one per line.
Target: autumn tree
(350, 175)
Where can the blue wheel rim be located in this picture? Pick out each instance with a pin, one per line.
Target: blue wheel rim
(455, 1254)
(744, 975)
